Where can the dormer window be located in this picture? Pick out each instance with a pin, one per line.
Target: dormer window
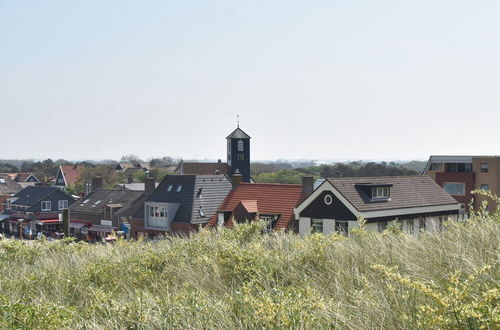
(380, 192)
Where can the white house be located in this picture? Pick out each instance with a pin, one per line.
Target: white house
(417, 202)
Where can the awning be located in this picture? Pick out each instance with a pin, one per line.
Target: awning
(50, 221)
(4, 216)
(77, 225)
(101, 229)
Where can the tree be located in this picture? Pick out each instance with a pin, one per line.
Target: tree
(130, 159)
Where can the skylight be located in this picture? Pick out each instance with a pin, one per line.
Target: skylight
(179, 188)
(170, 187)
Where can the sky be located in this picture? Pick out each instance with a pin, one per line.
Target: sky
(309, 79)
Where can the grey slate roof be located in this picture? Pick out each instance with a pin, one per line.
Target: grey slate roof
(406, 191)
(214, 189)
(97, 200)
(238, 134)
(32, 194)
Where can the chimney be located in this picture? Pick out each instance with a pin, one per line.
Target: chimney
(130, 179)
(236, 179)
(97, 183)
(307, 185)
(149, 185)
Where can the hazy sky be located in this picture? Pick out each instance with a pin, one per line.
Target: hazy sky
(310, 79)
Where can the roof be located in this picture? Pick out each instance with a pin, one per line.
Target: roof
(406, 192)
(71, 173)
(96, 201)
(267, 198)
(250, 205)
(204, 168)
(452, 159)
(32, 194)
(9, 186)
(137, 186)
(22, 177)
(238, 134)
(204, 192)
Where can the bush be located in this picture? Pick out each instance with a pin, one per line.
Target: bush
(240, 278)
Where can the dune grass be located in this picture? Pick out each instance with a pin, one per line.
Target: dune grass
(239, 278)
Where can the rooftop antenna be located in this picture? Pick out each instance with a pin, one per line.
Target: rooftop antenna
(238, 120)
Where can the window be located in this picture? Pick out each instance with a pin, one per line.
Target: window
(241, 157)
(46, 206)
(170, 187)
(157, 216)
(179, 188)
(380, 192)
(382, 225)
(201, 211)
(270, 220)
(435, 167)
(240, 145)
(421, 224)
(317, 225)
(62, 204)
(328, 199)
(485, 187)
(484, 167)
(458, 167)
(409, 225)
(341, 227)
(97, 203)
(454, 188)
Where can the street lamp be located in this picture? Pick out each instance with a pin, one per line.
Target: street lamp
(20, 228)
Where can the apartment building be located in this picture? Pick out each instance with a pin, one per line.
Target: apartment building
(459, 175)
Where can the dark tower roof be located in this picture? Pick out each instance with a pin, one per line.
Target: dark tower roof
(238, 134)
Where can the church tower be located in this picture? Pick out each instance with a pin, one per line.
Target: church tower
(238, 153)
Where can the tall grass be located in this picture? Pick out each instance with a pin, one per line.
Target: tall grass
(239, 278)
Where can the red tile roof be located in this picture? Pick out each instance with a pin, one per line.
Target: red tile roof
(250, 206)
(267, 198)
(71, 173)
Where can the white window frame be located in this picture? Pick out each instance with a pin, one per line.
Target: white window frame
(49, 203)
(64, 204)
(328, 199)
(241, 146)
(380, 192)
(316, 224)
(155, 218)
(342, 227)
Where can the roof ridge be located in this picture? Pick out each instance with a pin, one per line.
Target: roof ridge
(379, 177)
(271, 184)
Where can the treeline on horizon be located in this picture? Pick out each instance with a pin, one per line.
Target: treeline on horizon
(273, 172)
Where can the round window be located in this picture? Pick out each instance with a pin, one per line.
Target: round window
(328, 199)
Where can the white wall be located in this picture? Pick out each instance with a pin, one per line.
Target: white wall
(432, 224)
